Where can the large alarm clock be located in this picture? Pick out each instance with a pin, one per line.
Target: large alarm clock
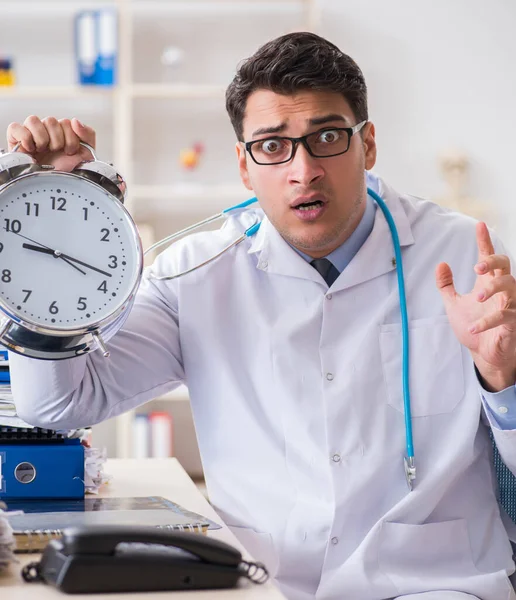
(70, 257)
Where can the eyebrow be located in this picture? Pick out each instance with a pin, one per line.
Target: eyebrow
(315, 121)
(328, 119)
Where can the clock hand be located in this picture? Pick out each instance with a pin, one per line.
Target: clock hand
(30, 240)
(54, 253)
(65, 257)
(80, 262)
(40, 249)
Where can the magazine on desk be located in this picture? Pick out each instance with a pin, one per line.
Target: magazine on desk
(42, 520)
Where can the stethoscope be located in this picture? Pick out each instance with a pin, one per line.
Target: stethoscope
(408, 461)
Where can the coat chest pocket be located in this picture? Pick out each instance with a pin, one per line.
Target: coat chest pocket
(435, 365)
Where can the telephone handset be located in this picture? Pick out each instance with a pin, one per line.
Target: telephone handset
(94, 559)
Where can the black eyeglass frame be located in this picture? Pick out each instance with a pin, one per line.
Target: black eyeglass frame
(303, 140)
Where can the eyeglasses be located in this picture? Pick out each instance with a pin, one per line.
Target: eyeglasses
(319, 144)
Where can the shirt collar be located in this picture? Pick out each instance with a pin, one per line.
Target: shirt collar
(374, 258)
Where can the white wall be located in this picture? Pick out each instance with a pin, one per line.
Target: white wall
(441, 74)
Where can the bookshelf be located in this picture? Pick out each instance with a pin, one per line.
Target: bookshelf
(143, 121)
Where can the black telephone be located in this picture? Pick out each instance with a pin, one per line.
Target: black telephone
(138, 559)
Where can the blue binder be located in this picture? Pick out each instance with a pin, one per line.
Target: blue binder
(96, 44)
(86, 45)
(105, 67)
(42, 470)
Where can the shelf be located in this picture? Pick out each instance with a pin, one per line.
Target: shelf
(202, 194)
(141, 90)
(57, 91)
(173, 199)
(176, 90)
(66, 7)
(63, 7)
(223, 7)
(123, 106)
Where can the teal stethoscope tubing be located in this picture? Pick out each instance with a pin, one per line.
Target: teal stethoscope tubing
(410, 469)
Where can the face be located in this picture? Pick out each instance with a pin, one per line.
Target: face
(336, 184)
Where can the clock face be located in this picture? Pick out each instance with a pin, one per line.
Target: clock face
(69, 256)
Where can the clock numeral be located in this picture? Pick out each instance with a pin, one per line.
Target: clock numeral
(58, 203)
(6, 276)
(114, 262)
(36, 208)
(14, 226)
(52, 309)
(28, 292)
(103, 287)
(81, 303)
(85, 213)
(1, 247)
(105, 237)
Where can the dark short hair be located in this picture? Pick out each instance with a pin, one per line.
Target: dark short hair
(291, 63)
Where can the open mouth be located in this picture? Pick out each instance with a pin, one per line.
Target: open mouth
(310, 210)
(309, 205)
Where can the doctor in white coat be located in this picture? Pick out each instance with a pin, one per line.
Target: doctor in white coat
(294, 369)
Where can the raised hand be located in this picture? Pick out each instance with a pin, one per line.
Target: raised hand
(485, 319)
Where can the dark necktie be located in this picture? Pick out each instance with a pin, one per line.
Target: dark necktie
(327, 269)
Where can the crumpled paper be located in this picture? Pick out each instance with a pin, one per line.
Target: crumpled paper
(6, 541)
(94, 475)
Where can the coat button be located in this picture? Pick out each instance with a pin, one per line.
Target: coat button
(503, 409)
(329, 376)
(328, 296)
(334, 540)
(336, 458)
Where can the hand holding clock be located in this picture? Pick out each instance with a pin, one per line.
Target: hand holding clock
(77, 214)
(51, 141)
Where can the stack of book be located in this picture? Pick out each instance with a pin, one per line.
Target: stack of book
(8, 416)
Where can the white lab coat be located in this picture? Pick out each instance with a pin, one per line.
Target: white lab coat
(297, 400)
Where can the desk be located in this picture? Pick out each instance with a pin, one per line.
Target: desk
(145, 477)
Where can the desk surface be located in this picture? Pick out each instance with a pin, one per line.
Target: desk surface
(144, 477)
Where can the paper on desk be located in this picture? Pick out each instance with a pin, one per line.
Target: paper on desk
(94, 476)
(5, 394)
(8, 416)
(6, 542)
(13, 421)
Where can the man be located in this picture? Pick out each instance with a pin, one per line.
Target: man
(293, 363)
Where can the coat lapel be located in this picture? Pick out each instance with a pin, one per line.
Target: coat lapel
(276, 256)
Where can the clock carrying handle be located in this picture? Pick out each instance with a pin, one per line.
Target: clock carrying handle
(91, 149)
(85, 144)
